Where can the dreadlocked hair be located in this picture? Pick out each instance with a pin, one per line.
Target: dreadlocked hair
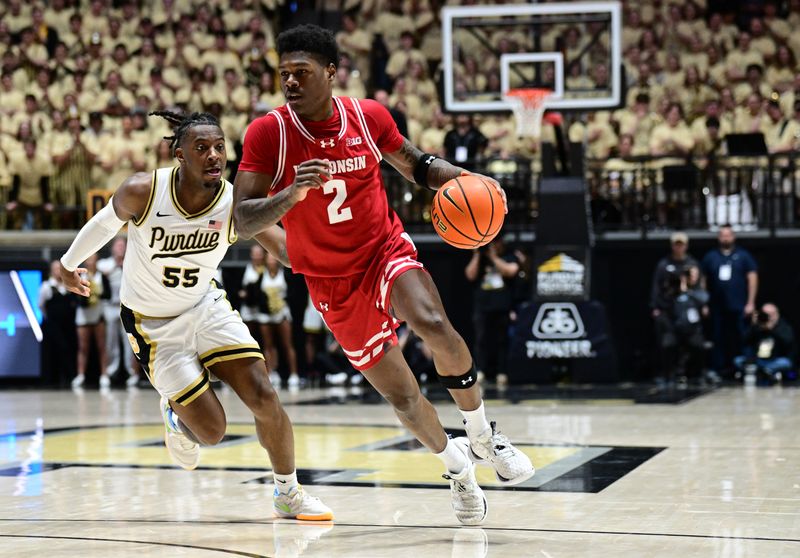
(181, 123)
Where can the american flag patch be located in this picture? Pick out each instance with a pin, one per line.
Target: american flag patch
(215, 225)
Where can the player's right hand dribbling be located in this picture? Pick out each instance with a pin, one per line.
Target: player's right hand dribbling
(75, 282)
(310, 174)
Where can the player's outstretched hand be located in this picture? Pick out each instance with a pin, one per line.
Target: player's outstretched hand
(74, 282)
(494, 183)
(310, 174)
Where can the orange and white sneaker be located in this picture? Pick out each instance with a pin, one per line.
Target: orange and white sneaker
(297, 504)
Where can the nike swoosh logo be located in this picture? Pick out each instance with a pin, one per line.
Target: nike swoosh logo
(281, 481)
(218, 298)
(446, 194)
(158, 214)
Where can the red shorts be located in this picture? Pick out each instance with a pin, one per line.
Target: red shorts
(357, 307)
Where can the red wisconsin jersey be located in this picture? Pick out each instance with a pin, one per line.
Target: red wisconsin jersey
(339, 228)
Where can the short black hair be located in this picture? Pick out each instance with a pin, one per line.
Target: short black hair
(313, 39)
(182, 123)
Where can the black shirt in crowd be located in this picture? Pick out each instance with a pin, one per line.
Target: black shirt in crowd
(660, 293)
(771, 343)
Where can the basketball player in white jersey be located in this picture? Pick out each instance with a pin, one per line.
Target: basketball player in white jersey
(178, 319)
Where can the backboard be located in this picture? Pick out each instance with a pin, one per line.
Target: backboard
(573, 48)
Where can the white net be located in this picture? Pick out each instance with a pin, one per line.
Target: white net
(528, 107)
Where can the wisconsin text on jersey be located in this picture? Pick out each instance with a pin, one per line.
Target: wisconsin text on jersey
(346, 165)
(180, 244)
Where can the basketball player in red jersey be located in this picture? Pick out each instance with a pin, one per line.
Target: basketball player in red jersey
(314, 164)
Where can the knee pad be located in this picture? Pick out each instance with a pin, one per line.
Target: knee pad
(464, 381)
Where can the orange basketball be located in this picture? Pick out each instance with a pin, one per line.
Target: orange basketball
(467, 212)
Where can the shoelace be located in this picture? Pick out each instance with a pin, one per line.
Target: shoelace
(300, 496)
(460, 486)
(499, 442)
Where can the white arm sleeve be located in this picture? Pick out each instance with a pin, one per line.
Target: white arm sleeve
(94, 235)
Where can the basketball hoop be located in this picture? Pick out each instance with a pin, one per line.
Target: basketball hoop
(528, 107)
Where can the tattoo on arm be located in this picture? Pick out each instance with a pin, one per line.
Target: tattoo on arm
(405, 161)
(256, 215)
(440, 172)
(410, 155)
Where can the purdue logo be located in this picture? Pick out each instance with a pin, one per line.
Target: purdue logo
(180, 244)
(327, 143)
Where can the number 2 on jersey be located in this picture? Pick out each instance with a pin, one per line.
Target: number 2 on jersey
(335, 212)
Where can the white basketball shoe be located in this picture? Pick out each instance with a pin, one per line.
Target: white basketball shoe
(298, 504)
(182, 450)
(510, 465)
(469, 502)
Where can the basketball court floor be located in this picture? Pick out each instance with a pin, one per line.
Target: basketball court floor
(709, 474)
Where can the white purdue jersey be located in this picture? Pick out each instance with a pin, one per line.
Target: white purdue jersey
(172, 255)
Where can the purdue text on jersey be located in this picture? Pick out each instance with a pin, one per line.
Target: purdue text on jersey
(180, 244)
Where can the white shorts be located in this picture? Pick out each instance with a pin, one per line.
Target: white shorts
(176, 352)
(89, 315)
(278, 318)
(251, 314)
(312, 319)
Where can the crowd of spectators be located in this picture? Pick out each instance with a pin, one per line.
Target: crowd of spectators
(78, 78)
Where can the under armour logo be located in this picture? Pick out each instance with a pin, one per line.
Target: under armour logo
(323, 306)
(327, 143)
(465, 382)
(429, 160)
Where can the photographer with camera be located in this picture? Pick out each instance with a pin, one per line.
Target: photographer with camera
(493, 271)
(769, 346)
(678, 304)
(680, 327)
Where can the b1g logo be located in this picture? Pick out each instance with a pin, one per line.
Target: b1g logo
(558, 320)
(559, 332)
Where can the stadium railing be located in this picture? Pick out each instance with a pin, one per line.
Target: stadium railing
(633, 196)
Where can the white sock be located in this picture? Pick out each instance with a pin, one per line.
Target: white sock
(476, 420)
(453, 458)
(285, 483)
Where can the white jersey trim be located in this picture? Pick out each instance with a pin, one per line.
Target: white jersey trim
(281, 149)
(310, 137)
(150, 200)
(370, 142)
(342, 115)
(299, 125)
